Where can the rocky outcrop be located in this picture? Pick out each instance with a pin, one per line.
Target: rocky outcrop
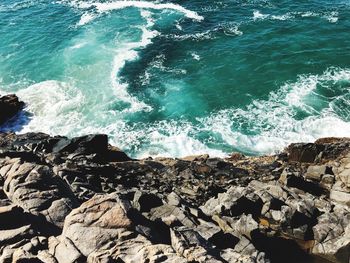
(9, 107)
(83, 200)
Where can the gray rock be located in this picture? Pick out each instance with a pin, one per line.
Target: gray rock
(37, 190)
(191, 245)
(332, 236)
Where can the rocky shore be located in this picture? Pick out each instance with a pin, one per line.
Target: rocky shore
(83, 200)
(10, 106)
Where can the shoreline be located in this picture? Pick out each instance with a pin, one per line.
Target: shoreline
(84, 200)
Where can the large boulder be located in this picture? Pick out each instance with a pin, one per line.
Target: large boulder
(37, 190)
(103, 228)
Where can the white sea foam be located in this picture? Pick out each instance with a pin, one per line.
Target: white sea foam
(59, 108)
(55, 107)
(230, 29)
(128, 53)
(103, 7)
(257, 15)
(86, 18)
(200, 36)
(195, 56)
(274, 121)
(117, 5)
(332, 17)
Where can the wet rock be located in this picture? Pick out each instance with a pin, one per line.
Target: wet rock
(9, 107)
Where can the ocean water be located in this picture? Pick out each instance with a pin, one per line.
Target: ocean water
(176, 78)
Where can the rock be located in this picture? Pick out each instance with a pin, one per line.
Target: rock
(102, 229)
(65, 251)
(9, 107)
(191, 245)
(12, 236)
(340, 197)
(245, 225)
(304, 153)
(291, 180)
(96, 222)
(236, 201)
(83, 200)
(37, 190)
(332, 236)
(144, 202)
(316, 172)
(344, 176)
(174, 199)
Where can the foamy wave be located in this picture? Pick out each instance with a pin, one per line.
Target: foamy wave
(206, 35)
(272, 124)
(56, 107)
(228, 28)
(259, 16)
(103, 7)
(331, 17)
(128, 53)
(274, 121)
(59, 108)
(195, 56)
(164, 138)
(117, 5)
(86, 18)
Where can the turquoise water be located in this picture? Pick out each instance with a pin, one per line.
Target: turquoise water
(176, 78)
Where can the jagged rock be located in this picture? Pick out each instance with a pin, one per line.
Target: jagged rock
(316, 172)
(64, 250)
(96, 222)
(304, 153)
(144, 202)
(37, 190)
(332, 236)
(9, 107)
(102, 229)
(236, 201)
(344, 176)
(172, 215)
(340, 197)
(245, 225)
(191, 245)
(240, 209)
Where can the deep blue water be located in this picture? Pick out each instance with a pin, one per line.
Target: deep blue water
(180, 77)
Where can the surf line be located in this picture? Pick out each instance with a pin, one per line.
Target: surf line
(104, 7)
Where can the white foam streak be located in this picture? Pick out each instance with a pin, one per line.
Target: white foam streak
(126, 54)
(117, 5)
(331, 17)
(86, 18)
(274, 121)
(103, 7)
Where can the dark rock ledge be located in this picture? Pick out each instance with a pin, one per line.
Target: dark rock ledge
(82, 200)
(10, 106)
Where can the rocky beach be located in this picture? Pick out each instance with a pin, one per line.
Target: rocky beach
(84, 200)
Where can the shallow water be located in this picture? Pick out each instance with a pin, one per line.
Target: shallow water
(176, 78)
